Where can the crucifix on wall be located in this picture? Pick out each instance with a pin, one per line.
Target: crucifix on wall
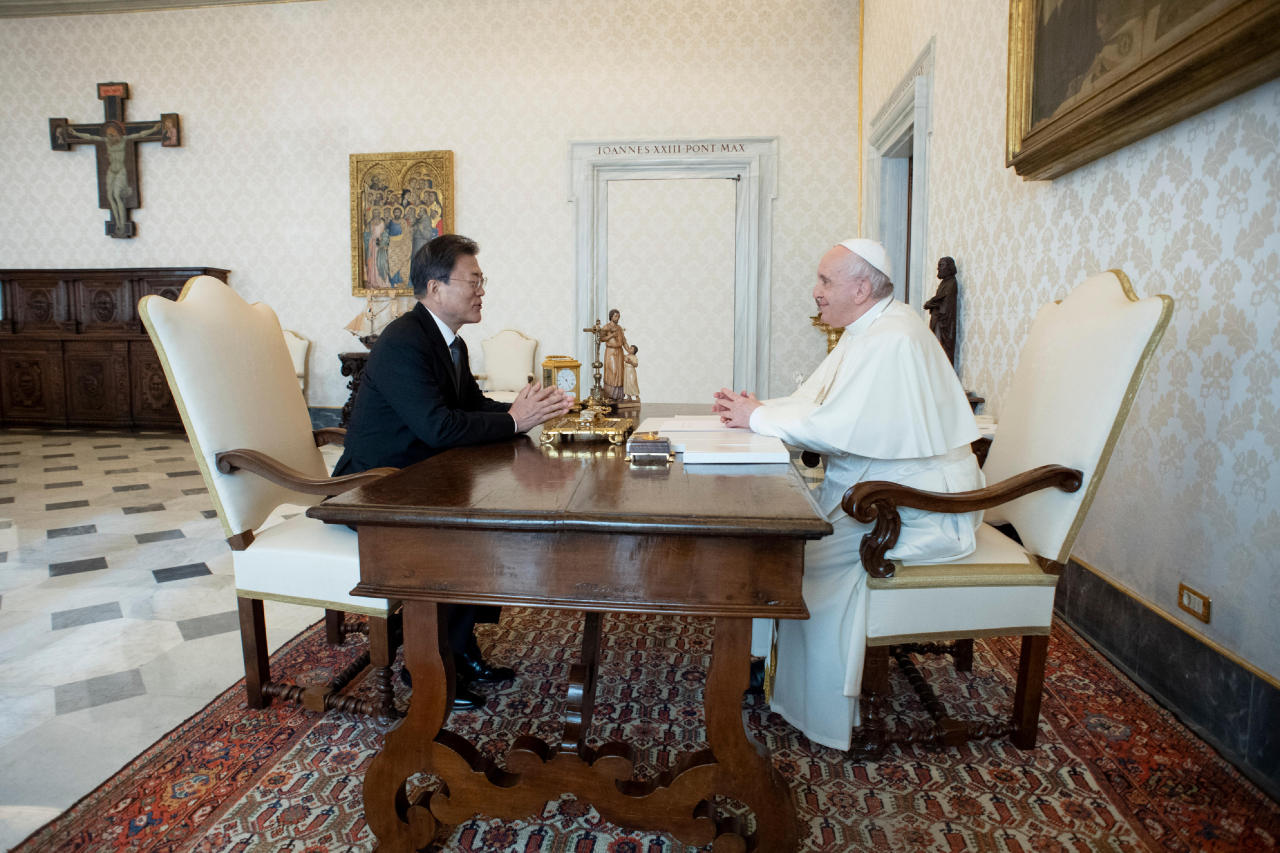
(116, 142)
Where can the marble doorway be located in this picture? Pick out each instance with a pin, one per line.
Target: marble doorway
(896, 201)
(749, 167)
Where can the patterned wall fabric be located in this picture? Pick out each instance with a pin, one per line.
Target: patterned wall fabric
(273, 99)
(1193, 492)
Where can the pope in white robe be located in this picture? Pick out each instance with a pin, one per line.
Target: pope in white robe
(885, 404)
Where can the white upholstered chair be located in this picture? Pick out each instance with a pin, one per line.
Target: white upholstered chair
(234, 383)
(298, 347)
(1073, 387)
(508, 364)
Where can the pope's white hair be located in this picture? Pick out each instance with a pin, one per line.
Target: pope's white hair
(854, 265)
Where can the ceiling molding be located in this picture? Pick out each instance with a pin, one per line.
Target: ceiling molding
(41, 8)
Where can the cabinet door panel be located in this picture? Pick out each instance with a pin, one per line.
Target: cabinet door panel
(153, 405)
(39, 306)
(103, 306)
(31, 383)
(169, 288)
(97, 382)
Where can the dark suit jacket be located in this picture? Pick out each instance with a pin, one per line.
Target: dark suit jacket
(408, 407)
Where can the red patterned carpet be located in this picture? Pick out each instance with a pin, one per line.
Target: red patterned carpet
(1112, 770)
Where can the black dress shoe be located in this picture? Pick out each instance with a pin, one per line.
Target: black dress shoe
(755, 686)
(464, 699)
(471, 667)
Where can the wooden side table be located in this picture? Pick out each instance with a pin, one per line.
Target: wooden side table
(353, 364)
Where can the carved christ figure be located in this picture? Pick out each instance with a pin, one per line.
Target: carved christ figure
(114, 139)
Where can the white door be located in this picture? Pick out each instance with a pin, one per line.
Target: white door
(671, 245)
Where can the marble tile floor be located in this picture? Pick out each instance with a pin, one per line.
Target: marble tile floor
(117, 609)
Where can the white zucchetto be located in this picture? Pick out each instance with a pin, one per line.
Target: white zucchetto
(871, 252)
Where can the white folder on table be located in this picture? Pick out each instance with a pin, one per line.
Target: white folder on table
(703, 440)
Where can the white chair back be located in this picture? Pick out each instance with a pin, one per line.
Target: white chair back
(298, 346)
(508, 360)
(1075, 382)
(233, 381)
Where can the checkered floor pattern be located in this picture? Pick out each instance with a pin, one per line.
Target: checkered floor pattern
(117, 609)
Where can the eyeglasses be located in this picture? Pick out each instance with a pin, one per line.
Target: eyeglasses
(476, 286)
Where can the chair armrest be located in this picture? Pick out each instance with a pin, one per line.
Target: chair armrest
(877, 501)
(330, 435)
(230, 461)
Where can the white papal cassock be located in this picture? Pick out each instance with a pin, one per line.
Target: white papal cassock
(885, 404)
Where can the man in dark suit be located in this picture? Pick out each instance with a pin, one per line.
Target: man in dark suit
(418, 398)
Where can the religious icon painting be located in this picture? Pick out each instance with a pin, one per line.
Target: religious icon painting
(398, 202)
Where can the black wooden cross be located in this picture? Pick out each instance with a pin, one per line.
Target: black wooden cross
(116, 141)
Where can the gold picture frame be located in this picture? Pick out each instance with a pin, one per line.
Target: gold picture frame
(1088, 78)
(398, 202)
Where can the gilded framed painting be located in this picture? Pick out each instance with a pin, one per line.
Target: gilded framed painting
(398, 202)
(1088, 77)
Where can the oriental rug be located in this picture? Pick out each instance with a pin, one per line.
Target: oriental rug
(1112, 771)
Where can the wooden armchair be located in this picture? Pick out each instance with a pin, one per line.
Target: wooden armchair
(234, 383)
(1074, 385)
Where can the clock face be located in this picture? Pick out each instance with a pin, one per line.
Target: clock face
(565, 379)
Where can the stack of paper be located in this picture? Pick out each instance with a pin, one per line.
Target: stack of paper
(703, 440)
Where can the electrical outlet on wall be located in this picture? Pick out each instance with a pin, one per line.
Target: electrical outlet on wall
(1194, 602)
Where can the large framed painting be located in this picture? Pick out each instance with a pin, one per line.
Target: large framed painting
(1087, 77)
(398, 202)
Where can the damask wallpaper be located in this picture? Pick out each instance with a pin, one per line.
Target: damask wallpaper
(1193, 492)
(274, 98)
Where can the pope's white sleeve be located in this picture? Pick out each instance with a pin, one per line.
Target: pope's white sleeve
(794, 422)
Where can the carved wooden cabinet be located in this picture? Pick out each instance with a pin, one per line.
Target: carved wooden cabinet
(73, 351)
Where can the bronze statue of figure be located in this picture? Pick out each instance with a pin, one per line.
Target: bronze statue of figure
(944, 307)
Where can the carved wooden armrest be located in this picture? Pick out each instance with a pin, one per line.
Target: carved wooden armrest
(877, 501)
(329, 435)
(255, 462)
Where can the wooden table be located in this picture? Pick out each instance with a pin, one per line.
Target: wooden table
(578, 528)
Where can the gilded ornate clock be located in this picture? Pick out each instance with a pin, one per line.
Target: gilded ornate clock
(564, 372)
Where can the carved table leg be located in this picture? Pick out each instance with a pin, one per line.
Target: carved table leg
(582, 688)
(744, 770)
(678, 800)
(400, 825)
